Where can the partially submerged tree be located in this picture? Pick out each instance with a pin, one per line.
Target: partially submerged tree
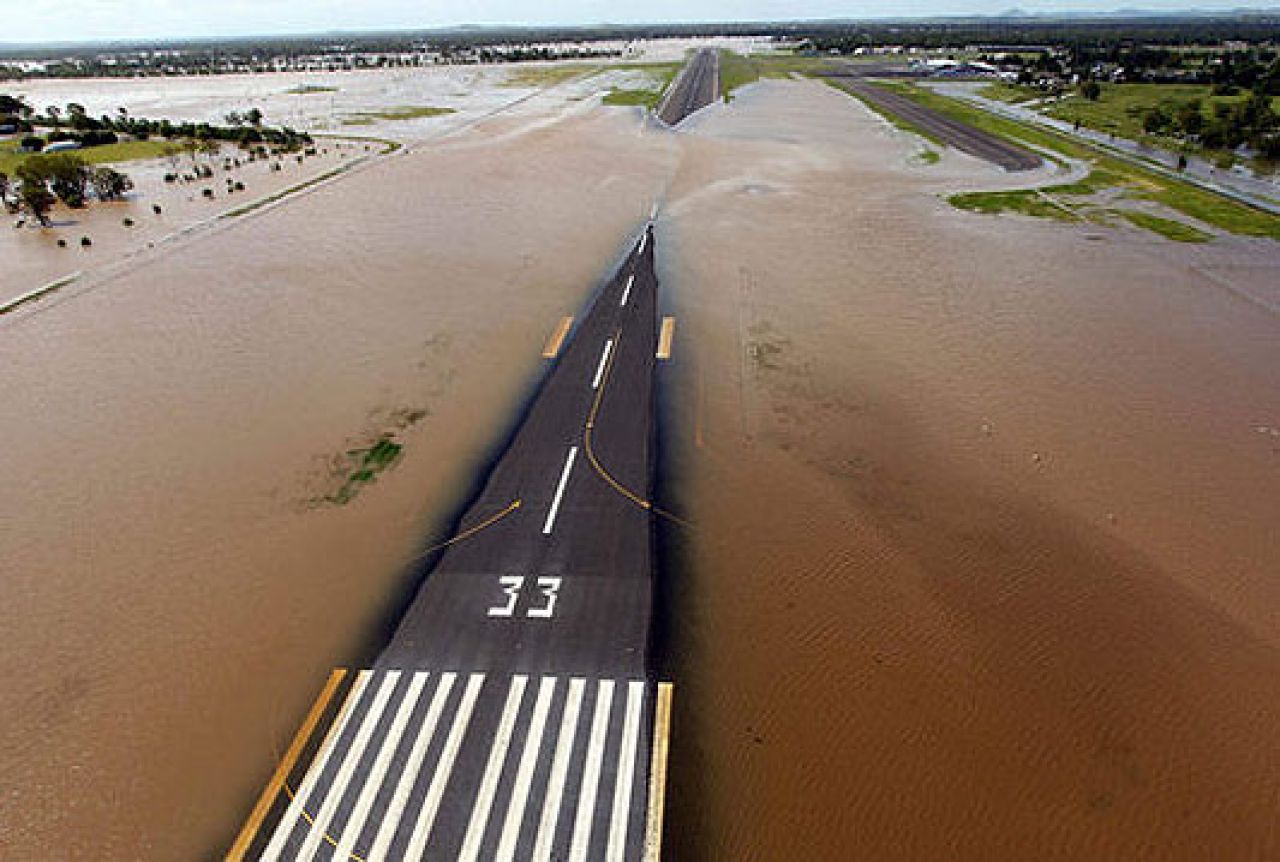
(36, 200)
(109, 184)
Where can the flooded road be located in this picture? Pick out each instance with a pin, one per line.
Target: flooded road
(984, 559)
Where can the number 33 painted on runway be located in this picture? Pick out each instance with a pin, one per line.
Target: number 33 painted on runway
(511, 586)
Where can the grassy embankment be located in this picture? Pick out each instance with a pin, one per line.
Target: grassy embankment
(738, 70)
(405, 112)
(125, 151)
(658, 78)
(308, 89)
(1118, 178)
(524, 75)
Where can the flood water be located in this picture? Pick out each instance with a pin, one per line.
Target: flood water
(984, 553)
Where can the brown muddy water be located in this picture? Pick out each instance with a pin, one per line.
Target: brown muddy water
(984, 565)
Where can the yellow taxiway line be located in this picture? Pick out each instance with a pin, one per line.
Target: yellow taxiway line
(277, 782)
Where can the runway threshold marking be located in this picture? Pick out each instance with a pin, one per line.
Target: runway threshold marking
(556, 341)
(591, 773)
(550, 523)
(400, 799)
(492, 771)
(559, 771)
(373, 782)
(666, 337)
(524, 772)
(286, 765)
(615, 851)
(658, 773)
(431, 805)
(297, 809)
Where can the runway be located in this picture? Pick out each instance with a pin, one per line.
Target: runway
(513, 715)
(951, 132)
(697, 87)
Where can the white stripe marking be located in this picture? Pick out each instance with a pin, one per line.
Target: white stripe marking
(626, 294)
(591, 774)
(653, 212)
(320, 826)
(360, 813)
(626, 774)
(431, 805)
(564, 481)
(524, 774)
(492, 772)
(559, 771)
(294, 810)
(395, 809)
(604, 360)
(644, 239)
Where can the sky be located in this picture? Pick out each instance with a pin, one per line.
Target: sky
(81, 20)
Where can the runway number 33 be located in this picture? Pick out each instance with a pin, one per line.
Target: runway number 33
(547, 587)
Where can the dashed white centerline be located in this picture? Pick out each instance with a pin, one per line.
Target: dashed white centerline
(550, 523)
(604, 360)
(626, 294)
(644, 239)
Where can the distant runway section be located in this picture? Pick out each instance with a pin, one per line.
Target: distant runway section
(951, 132)
(514, 714)
(697, 87)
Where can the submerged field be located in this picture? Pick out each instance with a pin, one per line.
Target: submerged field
(984, 509)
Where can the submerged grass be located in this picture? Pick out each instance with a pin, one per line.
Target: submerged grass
(407, 112)
(735, 71)
(1025, 201)
(660, 77)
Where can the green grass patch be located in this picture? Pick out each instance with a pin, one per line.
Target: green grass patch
(1167, 228)
(659, 75)
(735, 71)
(369, 463)
(1014, 94)
(929, 157)
(632, 98)
(1109, 171)
(125, 151)
(407, 112)
(1120, 108)
(308, 89)
(545, 76)
(1024, 201)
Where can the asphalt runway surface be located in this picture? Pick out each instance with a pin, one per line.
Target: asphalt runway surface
(951, 132)
(697, 87)
(511, 716)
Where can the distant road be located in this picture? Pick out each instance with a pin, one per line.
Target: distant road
(697, 87)
(514, 714)
(951, 132)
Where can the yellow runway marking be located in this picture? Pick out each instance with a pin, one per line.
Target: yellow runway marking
(279, 778)
(311, 821)
(658, 773)
(591, 452)
(556, 341)
(471, 531)
(665, 337)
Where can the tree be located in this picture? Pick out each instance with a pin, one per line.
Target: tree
(4, 191)
(35, 198)
(1091, 90)
(32, 143)
(109, 184)
(66, 175)
(253, 117)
